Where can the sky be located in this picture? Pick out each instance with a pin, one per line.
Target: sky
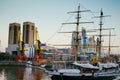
(49, 14)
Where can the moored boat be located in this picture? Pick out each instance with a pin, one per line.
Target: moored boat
(86, 71)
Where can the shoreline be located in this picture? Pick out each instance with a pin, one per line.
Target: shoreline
(12, 63)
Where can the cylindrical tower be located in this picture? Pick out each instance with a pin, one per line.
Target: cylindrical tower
(28, 32)
(13, 33)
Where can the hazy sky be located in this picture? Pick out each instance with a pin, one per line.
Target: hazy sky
(49, 14)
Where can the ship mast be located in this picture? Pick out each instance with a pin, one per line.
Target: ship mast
(109, 45)
(100, 34)
(76, 46)
(77, 32)
(101, 16)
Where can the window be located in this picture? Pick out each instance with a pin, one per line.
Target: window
(27, 33)
(15, 35)
(10, 28)
(19, 27)
(27, 27)
(32, 27)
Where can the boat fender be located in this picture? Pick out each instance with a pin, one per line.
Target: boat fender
(83, 75)
(92, 72)
(61, 74)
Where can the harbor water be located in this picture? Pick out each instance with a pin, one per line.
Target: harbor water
(25, 73)
(22, 73)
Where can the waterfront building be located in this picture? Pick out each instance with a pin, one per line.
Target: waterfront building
(92, 44)
(13, 38)
(30, 50)
(28, 32)
(73, 41)
(84, 40)
(28, 38)
(13, 33)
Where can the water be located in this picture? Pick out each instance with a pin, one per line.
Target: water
(22, 73)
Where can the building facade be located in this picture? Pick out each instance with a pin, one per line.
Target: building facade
(13, 33)
(28, 38)
(13, 38)
(28, 32)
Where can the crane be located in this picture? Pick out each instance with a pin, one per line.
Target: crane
(38, 57)
(21, 56)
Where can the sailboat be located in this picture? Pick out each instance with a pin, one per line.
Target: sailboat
(84, 71)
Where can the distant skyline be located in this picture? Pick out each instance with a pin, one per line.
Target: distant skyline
(49, 14)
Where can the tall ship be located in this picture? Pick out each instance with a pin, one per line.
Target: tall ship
(85, 70)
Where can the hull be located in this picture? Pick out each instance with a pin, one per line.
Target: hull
(88, 76)
(60, 77)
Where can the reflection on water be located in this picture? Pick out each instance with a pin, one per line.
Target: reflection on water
(22, 73)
